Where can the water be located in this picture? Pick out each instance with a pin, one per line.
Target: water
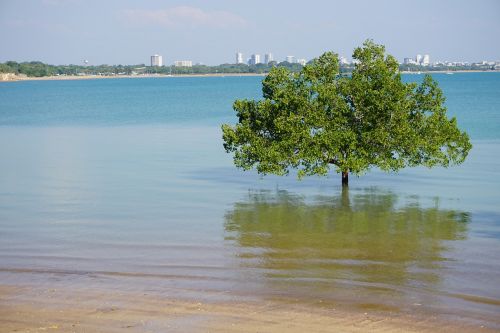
(114, 102)
(123, 184)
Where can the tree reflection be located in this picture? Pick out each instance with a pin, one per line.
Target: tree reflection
(365, 237)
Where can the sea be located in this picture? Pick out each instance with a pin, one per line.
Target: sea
(123, 184)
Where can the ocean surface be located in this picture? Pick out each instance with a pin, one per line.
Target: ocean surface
(124, 184)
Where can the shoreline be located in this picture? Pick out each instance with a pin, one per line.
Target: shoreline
(15, 78)
(452, 72)
(98, 77)
(50, 307)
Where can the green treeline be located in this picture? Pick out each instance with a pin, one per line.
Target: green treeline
(39, 69)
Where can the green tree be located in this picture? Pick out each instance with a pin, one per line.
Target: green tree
(317, 119)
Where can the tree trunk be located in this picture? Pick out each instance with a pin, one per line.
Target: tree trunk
(345, 178)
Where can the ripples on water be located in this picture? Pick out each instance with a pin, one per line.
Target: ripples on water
(159, 207)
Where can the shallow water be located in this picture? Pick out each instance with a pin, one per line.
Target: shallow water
(148, 201)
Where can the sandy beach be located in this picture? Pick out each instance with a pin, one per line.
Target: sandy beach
(48, 309)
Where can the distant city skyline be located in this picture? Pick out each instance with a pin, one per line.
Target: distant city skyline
(129, 32)
(255, 59)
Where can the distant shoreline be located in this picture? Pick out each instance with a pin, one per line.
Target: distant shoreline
(92, 77)
(16, 78)
(452, 72)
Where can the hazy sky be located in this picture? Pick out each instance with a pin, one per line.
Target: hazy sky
(211, 31)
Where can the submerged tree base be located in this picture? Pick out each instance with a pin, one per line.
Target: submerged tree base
(345, 178)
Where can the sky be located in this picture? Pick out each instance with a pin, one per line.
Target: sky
(212, 31)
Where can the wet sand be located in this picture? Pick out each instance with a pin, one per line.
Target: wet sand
(42, 309)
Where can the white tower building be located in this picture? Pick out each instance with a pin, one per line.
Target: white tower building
(239, 57)
(418, 59)
(156, 60)
(426, 60)
(290, 59)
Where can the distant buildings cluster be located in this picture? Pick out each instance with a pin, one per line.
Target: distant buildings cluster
(418, 60)
(254, 58)
(268, 58)
(424, 60)
(183, 63)
(157, 60)
(484, 63)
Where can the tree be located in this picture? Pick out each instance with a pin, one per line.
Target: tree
(317, 119)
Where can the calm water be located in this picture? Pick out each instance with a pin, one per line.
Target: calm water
(123, 183)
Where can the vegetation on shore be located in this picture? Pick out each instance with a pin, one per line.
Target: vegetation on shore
(39, 69)
(318, 119)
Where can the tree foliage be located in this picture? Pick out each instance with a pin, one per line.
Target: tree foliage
(317, 119)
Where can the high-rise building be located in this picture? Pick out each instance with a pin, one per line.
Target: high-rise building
(239, 57)
(418, 59)
(426, 60)
(290, 59)
(156, 60)
(254, 59)
(183, 63)
(302, 61)
(268, 57)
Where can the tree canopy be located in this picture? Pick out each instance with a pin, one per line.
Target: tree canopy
(317, 119)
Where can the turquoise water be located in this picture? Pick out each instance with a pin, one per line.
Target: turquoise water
(123, 183)
(114, 102)
(471, 97)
